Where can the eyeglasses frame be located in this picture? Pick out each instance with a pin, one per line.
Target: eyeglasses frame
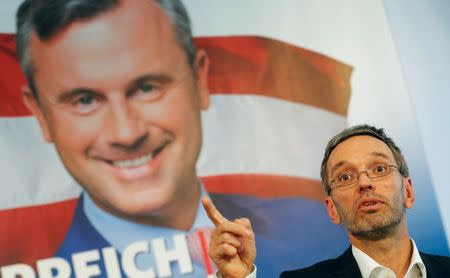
(359, 173)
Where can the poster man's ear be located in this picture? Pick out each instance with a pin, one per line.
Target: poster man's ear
(202, 70)
(36, 109)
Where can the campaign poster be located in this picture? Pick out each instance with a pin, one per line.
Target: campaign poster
(284, 77)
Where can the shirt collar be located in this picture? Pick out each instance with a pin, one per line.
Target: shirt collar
(417, 260)
(107, 224)
(366, 264)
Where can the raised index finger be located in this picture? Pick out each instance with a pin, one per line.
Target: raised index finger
(213, 214)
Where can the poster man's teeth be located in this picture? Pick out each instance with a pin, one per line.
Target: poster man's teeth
(133, 162)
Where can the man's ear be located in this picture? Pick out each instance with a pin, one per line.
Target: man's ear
(33, 105)
(408, 192)
(201, 75)
(332, 210)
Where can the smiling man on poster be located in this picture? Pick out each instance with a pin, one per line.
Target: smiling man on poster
(117, 87)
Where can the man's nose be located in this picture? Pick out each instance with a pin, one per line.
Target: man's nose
(126, 128)
(365, 182)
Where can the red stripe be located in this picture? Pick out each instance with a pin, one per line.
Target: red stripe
(32, 233)
(206, 261)
(265, 186)
(239, 65)
(11, 80)
(262, 66)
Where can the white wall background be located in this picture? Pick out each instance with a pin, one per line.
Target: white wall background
(421, 33)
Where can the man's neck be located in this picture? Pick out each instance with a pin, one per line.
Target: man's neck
(180, 214)
(393, 251)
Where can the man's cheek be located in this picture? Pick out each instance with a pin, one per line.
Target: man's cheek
(177, 122)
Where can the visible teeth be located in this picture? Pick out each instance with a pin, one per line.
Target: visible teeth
(133, 162)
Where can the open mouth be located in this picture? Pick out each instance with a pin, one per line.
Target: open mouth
(370, 204)
(137, 162)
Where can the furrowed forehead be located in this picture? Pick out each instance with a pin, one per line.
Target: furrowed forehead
(358, 150)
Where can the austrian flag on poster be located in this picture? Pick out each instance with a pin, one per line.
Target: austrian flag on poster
(250, 95)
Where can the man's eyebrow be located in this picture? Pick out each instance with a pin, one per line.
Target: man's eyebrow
(158, 78)
(67, 96)
(337, 165)
(379, 154)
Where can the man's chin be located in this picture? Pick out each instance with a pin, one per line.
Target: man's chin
(136, 205)
(374, 231)
(141, 214)
(152, 205)
(371, 235)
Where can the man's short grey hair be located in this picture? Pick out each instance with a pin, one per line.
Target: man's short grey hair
(360, 130)
(49, 17)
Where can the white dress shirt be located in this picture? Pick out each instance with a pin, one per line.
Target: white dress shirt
(371, 269)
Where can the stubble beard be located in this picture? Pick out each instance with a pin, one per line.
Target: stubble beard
(376, 226)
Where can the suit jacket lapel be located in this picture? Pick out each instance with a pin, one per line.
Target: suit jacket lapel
(81, 236)
(346, 265)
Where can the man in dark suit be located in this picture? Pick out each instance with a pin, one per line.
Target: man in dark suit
(346, 266)
(369, 189)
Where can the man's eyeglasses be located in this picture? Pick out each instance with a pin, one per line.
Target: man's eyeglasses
(347, 178)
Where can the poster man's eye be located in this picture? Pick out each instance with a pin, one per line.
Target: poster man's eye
(85, 100)
(146, 87)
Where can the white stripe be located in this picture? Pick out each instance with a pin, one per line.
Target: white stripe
(31, 170)
(8, 15)
(242, 134)
(257, 134)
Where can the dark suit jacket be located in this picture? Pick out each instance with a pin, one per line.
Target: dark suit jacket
(345, 266)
